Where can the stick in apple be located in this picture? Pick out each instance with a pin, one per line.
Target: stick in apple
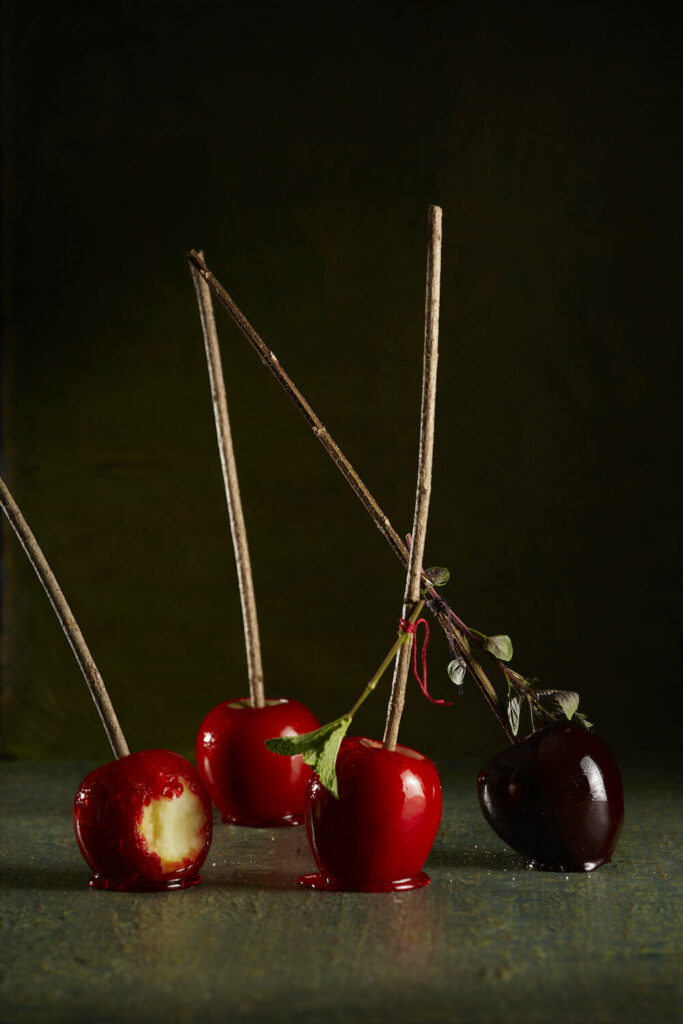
(449, 623)
(68, 623)
(424, 471)
(246, 782)
(128, 832)
(232, 490)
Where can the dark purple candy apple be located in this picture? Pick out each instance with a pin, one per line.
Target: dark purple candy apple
(556, 797)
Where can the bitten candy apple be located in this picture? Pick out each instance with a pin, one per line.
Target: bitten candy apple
(143, 822)
(249, 784)
(556, 797)
(377, 835)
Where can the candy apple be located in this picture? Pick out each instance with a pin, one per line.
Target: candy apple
(376, 836)
(556, 797)
(248, 783)
(143, 822)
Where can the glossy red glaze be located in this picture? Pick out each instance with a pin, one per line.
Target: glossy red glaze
(108, 810)
(378, 834)
(556, 797)
(249, 784)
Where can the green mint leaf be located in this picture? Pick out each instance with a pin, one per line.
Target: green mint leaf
(438, 575)
(319, 749)
(514, 711)
(564, 701)
(583, 720)
(499, 647)
(567, 702)
(457, 671)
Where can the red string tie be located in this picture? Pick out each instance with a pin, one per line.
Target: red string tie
(411, 628)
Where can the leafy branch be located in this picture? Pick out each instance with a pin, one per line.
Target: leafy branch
(543, 705)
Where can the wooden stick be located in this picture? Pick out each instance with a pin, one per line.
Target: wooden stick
(270, 361)
(68, 623)
(238, 528)
(424, 472)
(380, 520)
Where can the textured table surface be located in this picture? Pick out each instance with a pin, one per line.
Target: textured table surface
(486, 941)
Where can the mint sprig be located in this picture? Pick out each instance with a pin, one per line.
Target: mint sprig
(564, 702)
(499, 646)
(438, 575)
(319, 749)
(457, 670)
(514, 711)
(567, 701)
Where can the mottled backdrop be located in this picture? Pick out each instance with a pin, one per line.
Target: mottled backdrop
(299, 145)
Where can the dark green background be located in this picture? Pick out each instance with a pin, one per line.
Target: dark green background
(299, 145)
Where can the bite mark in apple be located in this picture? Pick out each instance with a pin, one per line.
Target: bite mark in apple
(172, 827)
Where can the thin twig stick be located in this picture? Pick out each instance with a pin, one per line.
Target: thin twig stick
(424, 472)
(270, 361)
(238, 528)
(380, 520)
(68, 623)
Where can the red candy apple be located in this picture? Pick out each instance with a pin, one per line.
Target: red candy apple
(143, 822)
(556, 797)
(248, 783)
(377, 835)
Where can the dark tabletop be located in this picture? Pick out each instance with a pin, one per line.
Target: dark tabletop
(486, 941)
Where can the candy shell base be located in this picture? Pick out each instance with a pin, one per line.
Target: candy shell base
(144, 884)
(591, 865)
(318, 880)
(284, 822)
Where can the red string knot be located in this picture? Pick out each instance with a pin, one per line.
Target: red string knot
(411, 628)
